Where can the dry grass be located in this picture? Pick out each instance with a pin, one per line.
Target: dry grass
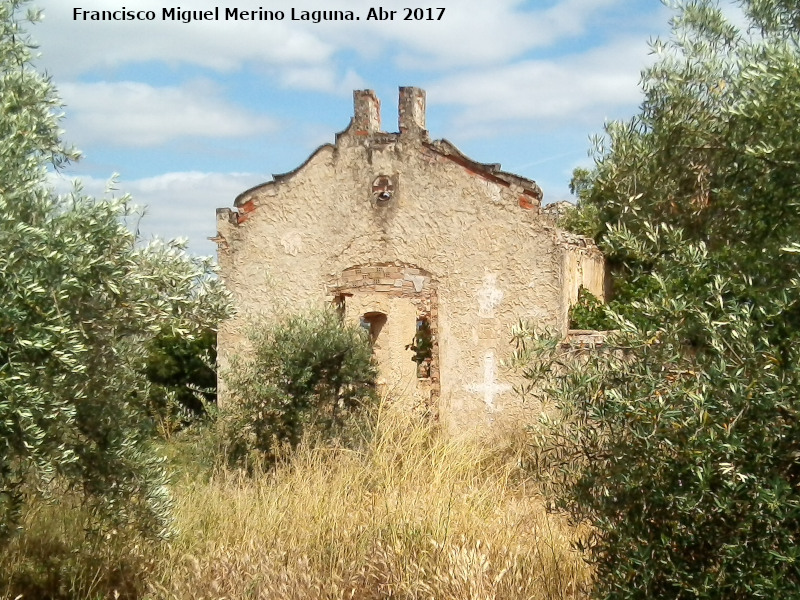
(413, 515)
(62, 555)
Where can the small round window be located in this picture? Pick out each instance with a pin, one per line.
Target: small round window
(382, 190)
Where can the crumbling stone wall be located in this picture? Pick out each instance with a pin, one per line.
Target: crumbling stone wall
(393, 298)
(392, 227)
(584, 266)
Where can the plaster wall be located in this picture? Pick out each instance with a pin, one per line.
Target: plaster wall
(480, 238)
(397, 372)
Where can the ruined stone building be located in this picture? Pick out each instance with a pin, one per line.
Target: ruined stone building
(416, 242)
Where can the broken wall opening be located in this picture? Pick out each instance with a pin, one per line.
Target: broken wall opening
(422, 346)
(397, 304)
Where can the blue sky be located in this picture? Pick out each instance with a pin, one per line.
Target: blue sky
(192, 114)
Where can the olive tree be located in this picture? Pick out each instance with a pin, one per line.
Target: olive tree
(79, 297)
(679, 444)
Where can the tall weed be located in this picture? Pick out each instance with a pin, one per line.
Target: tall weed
(411, 515)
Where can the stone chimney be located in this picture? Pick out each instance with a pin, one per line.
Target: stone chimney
(367, 112)
(411, 110)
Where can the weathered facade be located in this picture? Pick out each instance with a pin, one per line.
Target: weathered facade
(404, 234)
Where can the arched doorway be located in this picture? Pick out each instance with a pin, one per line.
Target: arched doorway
(397, 304)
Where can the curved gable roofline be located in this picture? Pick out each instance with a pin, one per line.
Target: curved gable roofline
(279, 177)
(443, 147)
(491, 171)
(366, 125)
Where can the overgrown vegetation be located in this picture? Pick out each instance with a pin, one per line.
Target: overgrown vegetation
(303, 374)
(182, 372)
(680, 447)
(588, 312)
(410, 514)
(413, 514)
(62, 553)
(79, 301)
(422, 346)
(675, 450)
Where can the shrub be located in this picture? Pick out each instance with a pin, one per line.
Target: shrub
(588, 312)
(182, 372)
(306, 374)
(681, 447)
(682, 450)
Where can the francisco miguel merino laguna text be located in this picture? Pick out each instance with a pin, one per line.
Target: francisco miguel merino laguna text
(237, 14)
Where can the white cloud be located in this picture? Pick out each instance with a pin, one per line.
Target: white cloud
(127, 113)
(471, 32)
(486, 33)
(321, 79)
(181, 204)
(578, 88)
(76, 46)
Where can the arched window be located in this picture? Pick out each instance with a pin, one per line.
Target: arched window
(373, 323)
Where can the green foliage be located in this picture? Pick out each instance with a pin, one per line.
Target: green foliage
(185, 381)
(588, 312)
(422, 346)
(714, 150)
(80, 300)
(679, 443)
(584, 217)
(306, 374)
